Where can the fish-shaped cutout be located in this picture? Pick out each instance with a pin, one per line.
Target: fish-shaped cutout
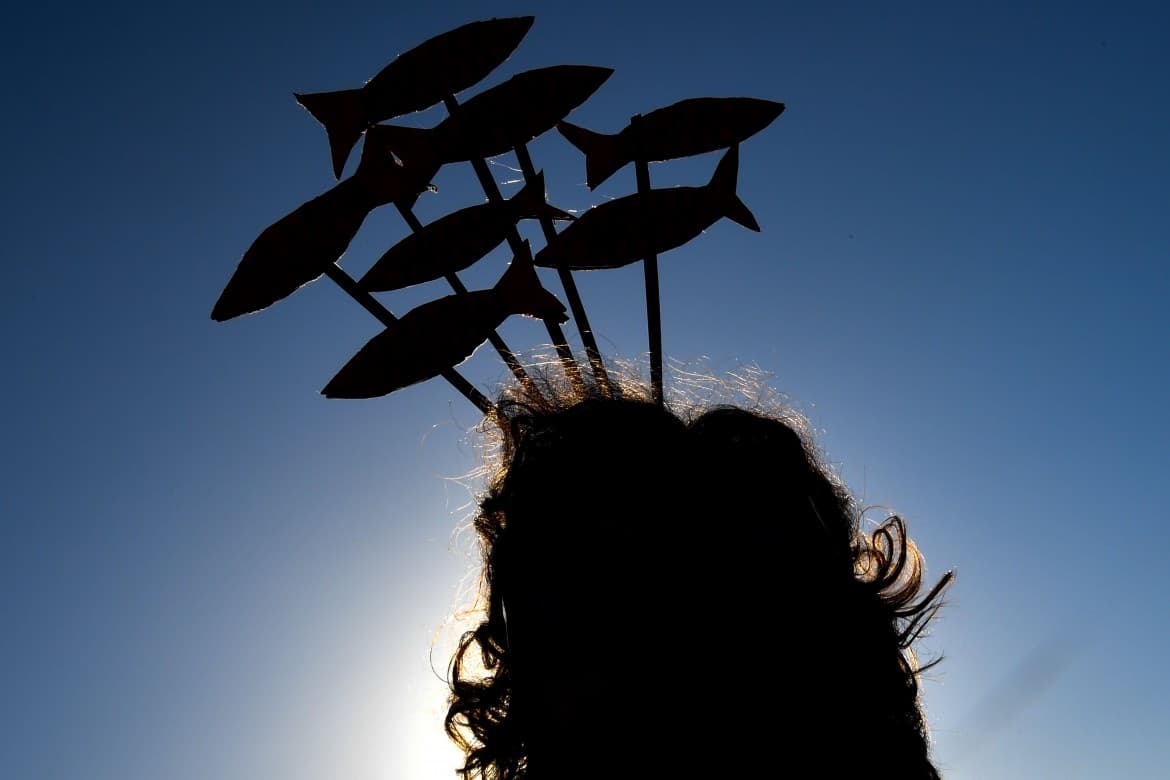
(416, 79)
(454, 242)
(628, 229)
(300, 246)
(685, 128)
(441, 334)
(495, 120)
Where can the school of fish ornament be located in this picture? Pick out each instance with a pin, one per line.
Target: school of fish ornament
(398, 162)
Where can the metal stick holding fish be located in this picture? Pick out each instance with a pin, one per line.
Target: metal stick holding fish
(502, 349)
(649, 265)
(524, 127)
(367, 301)
(592, 353)
(641, 226)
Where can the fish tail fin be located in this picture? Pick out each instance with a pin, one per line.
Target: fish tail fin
(602, 153)
(343, 115)
(722, 187)
(529, 202)
(522, 293)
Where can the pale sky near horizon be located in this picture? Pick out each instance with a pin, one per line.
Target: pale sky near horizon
(211, 571)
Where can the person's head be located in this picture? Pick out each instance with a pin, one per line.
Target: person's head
(667, 588)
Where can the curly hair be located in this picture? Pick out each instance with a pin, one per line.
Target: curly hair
(629, 548)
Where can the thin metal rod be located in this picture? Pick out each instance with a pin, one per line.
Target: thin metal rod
(650, 267)
(371, 304)
(460, 289)
(575, 305)
(516, 243)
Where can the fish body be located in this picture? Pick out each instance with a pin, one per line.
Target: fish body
(442, 333)
(299, 247)
(457, 240)
(686, 128)
(628, 229)
(415, 80)
(293, 251)
(495, 120)
(517, 110)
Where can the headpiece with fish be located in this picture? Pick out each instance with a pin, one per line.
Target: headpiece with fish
(397, 164)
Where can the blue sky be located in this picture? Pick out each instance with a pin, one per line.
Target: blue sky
(212, 571)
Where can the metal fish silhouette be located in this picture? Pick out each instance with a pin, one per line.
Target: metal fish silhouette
(454, 242)
(622, 231)
(441, 334)
(493, 121)
(416, 79)
(300, 246)
(688, 127)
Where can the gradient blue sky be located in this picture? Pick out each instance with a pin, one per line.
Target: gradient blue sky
(210, 571)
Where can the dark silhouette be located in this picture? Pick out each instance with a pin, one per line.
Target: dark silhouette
(398, 163)
(302, 245)
(416, 79)
(688, 127)
(662, 587)
(623, 231)
(693, 590)
(442, 333)
(496, 120)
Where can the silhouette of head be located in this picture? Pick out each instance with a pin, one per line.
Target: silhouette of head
(667, 590)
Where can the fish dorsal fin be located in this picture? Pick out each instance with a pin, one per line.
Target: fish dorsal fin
(522, 293)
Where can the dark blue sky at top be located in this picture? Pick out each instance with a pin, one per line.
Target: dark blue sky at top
(211, 571)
